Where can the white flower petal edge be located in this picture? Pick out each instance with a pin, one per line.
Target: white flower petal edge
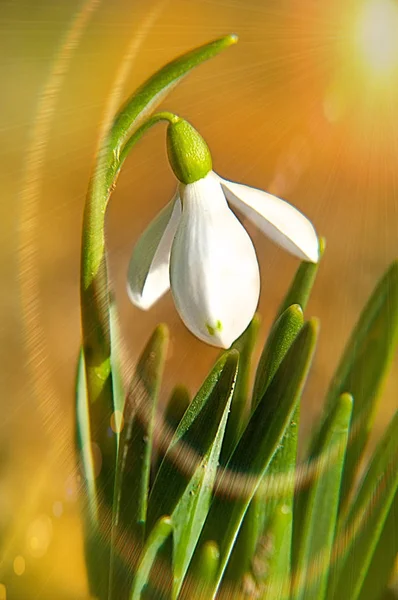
(278, 219)
(148, 273)
(214, 272)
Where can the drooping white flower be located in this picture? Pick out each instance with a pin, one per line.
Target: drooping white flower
(198, 247)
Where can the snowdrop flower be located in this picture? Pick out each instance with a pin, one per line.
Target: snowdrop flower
(198, 247)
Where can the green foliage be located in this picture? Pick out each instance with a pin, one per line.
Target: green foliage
(257, 524)
(316, 505)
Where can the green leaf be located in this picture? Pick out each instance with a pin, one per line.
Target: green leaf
(302, 284)
(316, 506)
(134, 462)
(283, 333)
(204, 572)
(381, 567)
(363, 367)
(83, 440)
(261, 509)
(157, 538)
(175, 408)
(151, 93)
(240, 400)
(96, 547)
(117, 381)
(255, 449)
(359, 535)
(276, 549)
(185, 480)
(177, 405)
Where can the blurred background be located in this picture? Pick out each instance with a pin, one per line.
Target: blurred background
(304, 107)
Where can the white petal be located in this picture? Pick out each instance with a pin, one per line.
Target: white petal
(148, 273)
(214, 272)
(278, 219)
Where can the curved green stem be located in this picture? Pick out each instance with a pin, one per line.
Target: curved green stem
(137, 135)
(95, 306)
(130, 124)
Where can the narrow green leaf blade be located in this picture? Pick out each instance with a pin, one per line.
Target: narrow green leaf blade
(134, 463)
(363, 366)
(381, 567)
(360, 533)
(83, 440)
(256, 448)
(177, 405)
(151, 93)
(117, 380)
(276, 546)
(302, 284)
(196, 448)
(283, 333)
(283, 463)
(96, 546)
(316, 507)
(240, 400)
(157, 538)
(193, 438)
(203, 573)
(193, 507)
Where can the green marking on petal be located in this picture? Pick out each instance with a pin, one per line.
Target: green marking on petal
(210, 329)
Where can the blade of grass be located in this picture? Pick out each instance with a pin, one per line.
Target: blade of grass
(175, 408)
(117, 381)
(204, 572)
(177, 405)
(302, 284)
(363, 527)
(83, 441)
(381, 567)
(363, 367)
(157, 538)
(282, 335)
(277, 543)
(134, 462)
(192, 438)
(255, 450)
(240, 400)
(96, 547)
(316, 506)
(185, 480)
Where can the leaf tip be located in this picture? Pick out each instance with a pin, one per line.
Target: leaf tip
(346, 400)
(160, 336)
(295, 309)
(232, 357)
(231, 39)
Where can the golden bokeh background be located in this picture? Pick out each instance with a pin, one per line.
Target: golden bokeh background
(304, 106)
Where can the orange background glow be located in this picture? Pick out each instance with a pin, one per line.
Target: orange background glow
(305, 106)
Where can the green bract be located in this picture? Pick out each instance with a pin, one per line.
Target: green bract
(188, 153)
(207, 499)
